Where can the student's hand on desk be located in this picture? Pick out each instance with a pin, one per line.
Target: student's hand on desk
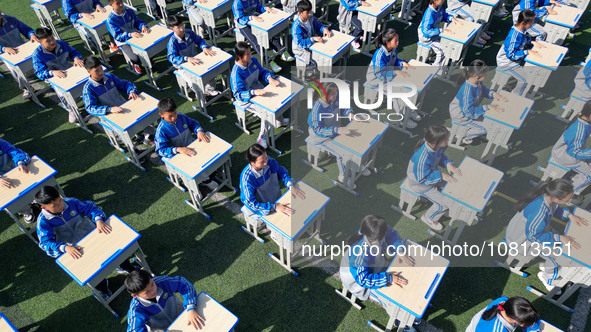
(202, 137)
(318, 39)
(497, 108)
(535, 54)
(4, 183)
(100, 9)
(448, 31)
(343, 131)
(11, 50)
(407, 65)
(456, 21)
(208, 52)
(297, 192)
(23, 168)
(194, 319)
(398, 280)
(59, 73)
(186, 151)
(274, 82)
(448, 178)
(284, 208)
(102, 227)
(194, 61)
(451, 169)
(78, 62)
(87, 15)
(403, 73)
(115, 109)
(257, 19)
(500, 97)
(136, 35)
(365, 4)
(552, 12)
(145, 29)
(33, 39)
(578, 220)
(570, 240)
(202, 1)
(407, 259)
(270, 10)
(259, 92)
(133, 96)
(74, 251)
(539, 45)
(327, 33)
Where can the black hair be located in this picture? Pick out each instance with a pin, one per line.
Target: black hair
(373, 227)
(328, 87)
(385, 37)
(516, 308)
(91, 62)
(434, 136)
(137, 281)
(240, 49)
(253, 152)
(586, 112)
(173, 21)
(46, 195)
(42, 33)
(111, 1)
(166, 105)
(476, 68)
(304, 6)
(526, 16)
(557, 188)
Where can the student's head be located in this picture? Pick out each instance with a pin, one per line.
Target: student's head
(517, 310)
(94, 67)
(257, 157)
(304, 9)
(436, 3)
(242, 52)
(117, 6)
(167, 110)
(558, 191)
(387, 38)
(332, 91)
(45, 37)
(176, 24)
(585, 114)
(139, 283)
(477, 70)
(436, 137)
(526, 19)
(374, 228)
(49, 199)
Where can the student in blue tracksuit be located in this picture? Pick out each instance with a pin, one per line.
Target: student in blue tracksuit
(123, 24)
(248, 10)
(11, 30)
(464, 108)
(65, 221)
(430, 28)
(517, 45)
(530, 229)
(462, 9)
(347, 16)
(583, 83)
(11, 157)
(182, 47)
(424, 176)
(570, 150)
(505, 315)
(154, 305)
(540, 11)
(193, 12)
(245, 81)
(306, 31)
(77, 9)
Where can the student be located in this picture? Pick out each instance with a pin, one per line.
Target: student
(10, 30)
(517, 45)
(245, 81)
(570, 151)
(305, 31)
(65, 221)
(182, 47)
(11, 157)
(462, 10)
(424, 177)
(347, 16)
(260, 185)
(192, 10)
(247, 10)
(385, 65)
(51, 59)
(505, 315)
(77, 9)
(530, 229)
(537, 6)
(583, 83)
(464, 108)
(429, 29)
(123, 24)
(154, 305)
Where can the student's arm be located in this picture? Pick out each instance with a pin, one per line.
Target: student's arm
(317, 124)
(381, 69)
(173, 54)
(24, 29)
(446, 17)
(41, 70)
(264, 74)
(91, 102)
(299, 37)
(535, 224)
(512, 49)
(578, 150)
(248, 197)
(318, 26)
(260, 7)
(428, 28)
(115, 30)
(136, 320)
(47, 240)
(162, 147)
(200, 41)
(185, 288)
(351, 5)
(123, 85)
(468, 106)
(534, 328)
(89, 209)
(70, 11)
(239, 88)
(393, 238)
(137, 23)
(365, 279)
(194, 125)
(96, 3)
(18, 156)
(281, 171)
(425, 175)
(239, 14)
(587, 73)
(73, 54)
(562, 213)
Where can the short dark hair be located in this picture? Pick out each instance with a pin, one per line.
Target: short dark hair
(166, 105)
(526, 16)
(137, 281)
(42, 33)
(111, 1)
(240, 49)
(91, 62)
(254, 151)
(173, 21)
(304, 6)
(46, 195)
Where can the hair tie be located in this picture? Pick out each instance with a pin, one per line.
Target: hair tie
(500, 307)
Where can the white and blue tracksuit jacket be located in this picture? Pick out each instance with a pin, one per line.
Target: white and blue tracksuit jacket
(430, 26)
(513, 51)
(497, 324)
(72, 13)
(243, 11)
(45, 62)
(8, 153)
(91, 93)
(465, 106)
(583, 82)
(302, 37)
(573, 141)
(238, 79)
(537, 6)
(251, 181)
(167, 132)
(383, 66)
(160, 314)
(326, 127)
(116, 22)
(422, 171)
(10, 30)
(176, 46)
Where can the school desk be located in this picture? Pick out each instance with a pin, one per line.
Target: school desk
(47, 13)
(332, 51)
(212, 12)
(359, 150)
(468, 196)
(318, 7)
(482, 11)
(455, 44)
(500, 125)
(217, 317)
(137, 115)
(97, 28)
(209, 158)
(272, 25)
(575, 263)
(148, 46)
(307, 218)
(23, 189)
(153, 13)
(273, 104)
(6, 325)
(411, 301)
(558, 26)
(538, 69)
(101, 255)
(22, 64)
(547, 327)
(372, 18)
(208, 69)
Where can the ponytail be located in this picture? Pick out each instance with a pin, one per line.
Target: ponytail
(434, 136)
(385, 37)
(557, 188)
(476, 68)
(586, 112)
(373, 227)
(516, 308)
